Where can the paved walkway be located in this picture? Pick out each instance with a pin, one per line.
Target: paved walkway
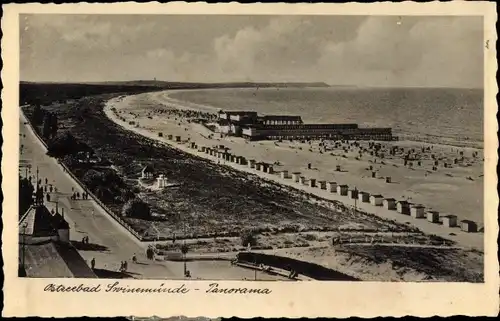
(110, 243)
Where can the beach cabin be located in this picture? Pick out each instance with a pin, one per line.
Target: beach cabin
(468, 226)
(403, 207)
(352, 193)
(337, 168)
(374, 174)
(331, 187)
(161, 181)
(364, 197)
(178, 139)
(433, 216)
(296, 177)
(243, 160)
(342, 189)
(302, 180)
(258, 166)
(147, 172)
(284, 174)
(388, 179)
(251, 163)
(263, 167)
(417, 211)
(193, 145)
(270, 169)
(322, 184)
(376, 200)
(450, 220)
(312, 182)
(389, 204)
(170, 137)
(203, 149)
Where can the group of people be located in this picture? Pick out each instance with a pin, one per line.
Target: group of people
(150, 253)
(76, 195)
(85, 240)
(123, 266)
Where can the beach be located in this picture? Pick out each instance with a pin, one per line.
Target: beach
(456, 189)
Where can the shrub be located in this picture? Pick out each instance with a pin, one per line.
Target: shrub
(137, 208)
(248, 237)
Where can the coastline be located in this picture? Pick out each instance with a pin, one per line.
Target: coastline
(196, 135)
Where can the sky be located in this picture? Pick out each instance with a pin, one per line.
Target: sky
(382, 51)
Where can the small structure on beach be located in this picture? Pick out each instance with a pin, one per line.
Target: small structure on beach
(161, 181)
(388, 179)
(468, 226)
(312, 182)
(364, 197)
(433, 216)
(322, 184)
(331, 187)
(403, 207)
(450, 220)
(417, 211)
(178, 139)
(147, 172)
(270, 169)
(352, 193)
(170, 137)
(251, 163)
(376, 200)
(342, 189)
(296, 177)
(284, 174)
(302, 180)
(389, 204)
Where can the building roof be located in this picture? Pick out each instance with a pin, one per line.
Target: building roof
(54, 260)
(343, 185)
(147, 169)
(389, 199)
(281, 117)
(377, 196)
(418, 206)
(404, 202)
(449, 216)
(39, 222)
(468, 222)
(361, 192)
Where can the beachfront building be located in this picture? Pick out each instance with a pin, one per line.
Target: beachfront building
(389, 204)
(403, 207)
(312, 182)
(147, 172)
(376, 200)
(468, 226)
(342, 189)
(450, 220)
(417, 211)
(296, 177)
(364, 197)
(433, 216)
(284, 174)
(249, 125)
(322, 184)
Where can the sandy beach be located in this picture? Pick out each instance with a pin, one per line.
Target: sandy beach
(456, 189)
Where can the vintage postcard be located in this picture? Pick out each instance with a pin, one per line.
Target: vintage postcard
(269, 160)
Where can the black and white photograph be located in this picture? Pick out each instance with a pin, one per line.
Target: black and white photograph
(252, 147)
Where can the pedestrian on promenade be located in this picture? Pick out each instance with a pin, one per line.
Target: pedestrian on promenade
(72, 189)
(92, 263)
(83, 240)
(77, 195)
(48, 197)
(51, 188)
(46, 181)
(125, 266)
(134, 259)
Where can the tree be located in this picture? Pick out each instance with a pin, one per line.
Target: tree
(65, 144)
(248, 238)
(184, 248)
(136, 208)
(53, 125)
(46, 130)
(26, 190)
(38, 113)
(93, 179)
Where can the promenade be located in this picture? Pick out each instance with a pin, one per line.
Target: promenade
(109, 242)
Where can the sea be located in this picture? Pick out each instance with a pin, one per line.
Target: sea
(434, 115)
